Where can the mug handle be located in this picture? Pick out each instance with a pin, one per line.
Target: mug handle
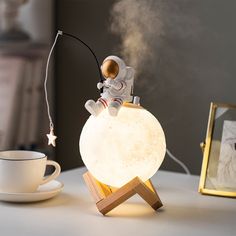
(55, 174)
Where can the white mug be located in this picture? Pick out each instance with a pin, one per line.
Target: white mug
(23, 171)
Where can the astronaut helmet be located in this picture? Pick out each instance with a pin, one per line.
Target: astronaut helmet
(113, 67)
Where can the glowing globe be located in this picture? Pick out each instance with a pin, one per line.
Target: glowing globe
(117, 149)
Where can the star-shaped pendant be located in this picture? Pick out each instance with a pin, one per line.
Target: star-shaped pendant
(52, 138)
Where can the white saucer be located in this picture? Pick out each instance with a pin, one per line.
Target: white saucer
(43, 192)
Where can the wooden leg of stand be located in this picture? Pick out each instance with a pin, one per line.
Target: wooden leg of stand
(149, 184)
(106, 199)
(149, 196)
(98, 190)
(118, 197)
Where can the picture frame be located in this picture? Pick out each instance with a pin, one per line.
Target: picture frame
(218, 173)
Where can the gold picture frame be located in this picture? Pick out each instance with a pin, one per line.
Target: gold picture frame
(217, 176)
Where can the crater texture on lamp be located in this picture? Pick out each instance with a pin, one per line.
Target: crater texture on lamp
(117, 149)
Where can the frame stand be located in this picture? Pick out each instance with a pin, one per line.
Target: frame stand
(108, 198)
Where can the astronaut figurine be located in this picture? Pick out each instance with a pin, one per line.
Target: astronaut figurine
(117, 87)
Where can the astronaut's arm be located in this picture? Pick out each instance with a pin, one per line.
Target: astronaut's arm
(130, 73)
(118, 85)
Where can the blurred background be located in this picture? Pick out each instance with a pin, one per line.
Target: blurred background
(183, 51)
(26, 31)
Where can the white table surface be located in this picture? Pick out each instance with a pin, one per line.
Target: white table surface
(73, 212)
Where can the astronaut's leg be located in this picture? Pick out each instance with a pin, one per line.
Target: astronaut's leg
(114, 106)
(95, 108)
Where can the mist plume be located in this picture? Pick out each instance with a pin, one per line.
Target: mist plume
(144, 26)
(137, 22)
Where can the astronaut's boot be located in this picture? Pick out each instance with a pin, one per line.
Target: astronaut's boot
(114, 107)
(94, 108)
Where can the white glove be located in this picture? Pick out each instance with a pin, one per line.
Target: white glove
(100, 85)
(108, 82)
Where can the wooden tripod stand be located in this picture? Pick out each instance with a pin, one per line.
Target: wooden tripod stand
(107, 198)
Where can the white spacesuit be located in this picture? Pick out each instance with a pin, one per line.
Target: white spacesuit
(117, 87)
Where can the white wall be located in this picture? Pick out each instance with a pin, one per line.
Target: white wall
(36, 17)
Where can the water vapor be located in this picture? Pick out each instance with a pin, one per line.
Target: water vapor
(138, 23)
(145, 27)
